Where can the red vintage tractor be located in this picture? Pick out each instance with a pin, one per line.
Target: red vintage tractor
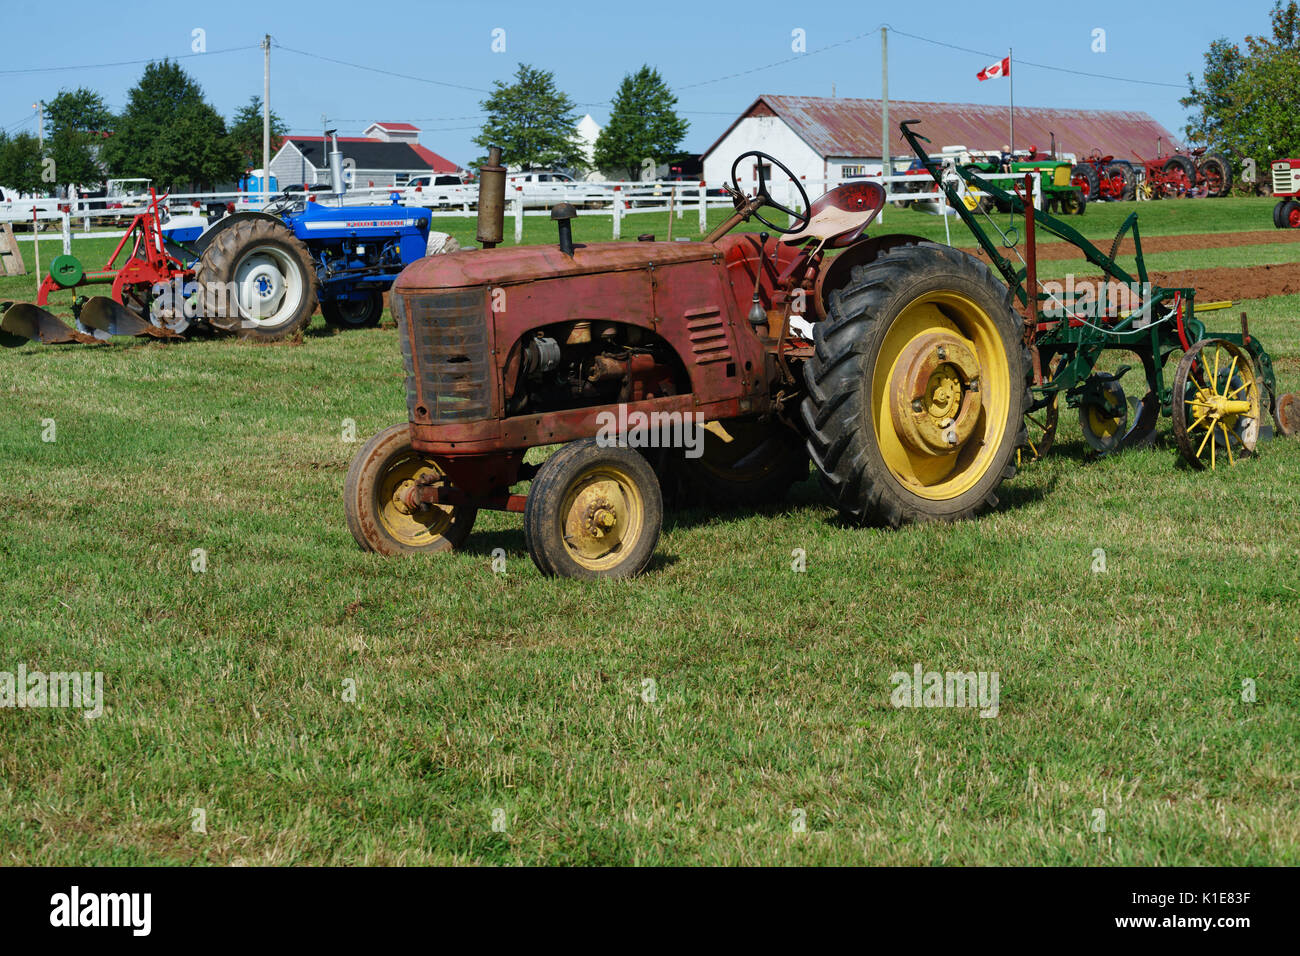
(1103, 177)
(1182, 176)
(908, 394)
(1286, 187)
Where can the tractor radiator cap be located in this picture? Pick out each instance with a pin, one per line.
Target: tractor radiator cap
(563, 210)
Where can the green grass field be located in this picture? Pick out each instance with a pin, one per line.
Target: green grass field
(520, 701)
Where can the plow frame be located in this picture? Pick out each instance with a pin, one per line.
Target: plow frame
(1164, 323)
(149, 262)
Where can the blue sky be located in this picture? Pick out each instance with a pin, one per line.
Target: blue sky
(699, 47)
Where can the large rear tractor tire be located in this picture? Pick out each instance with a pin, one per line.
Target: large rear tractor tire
(753, 466)
(917, 389)
(257, 281)
(1084, 178)
(379, 518)
(1123, 172)
(1217, 172)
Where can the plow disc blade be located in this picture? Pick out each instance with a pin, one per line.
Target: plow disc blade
(26, 322)
(105, 315)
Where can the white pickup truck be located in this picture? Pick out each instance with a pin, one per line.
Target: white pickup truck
(438, 191)
(14, 208)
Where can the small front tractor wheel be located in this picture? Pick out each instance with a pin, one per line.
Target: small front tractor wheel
(1216, 404)
(593, 511)
(1291, 214)
(917, 388)
(363, 313)
(257, 280)
(374, 499)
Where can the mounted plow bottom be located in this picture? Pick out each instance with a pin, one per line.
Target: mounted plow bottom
(1223, 385)
(153, 262)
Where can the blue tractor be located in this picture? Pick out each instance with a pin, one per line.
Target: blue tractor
(256, 274)
(261, 274)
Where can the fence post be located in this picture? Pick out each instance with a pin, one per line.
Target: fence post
(618, 211)
(519, 215)
(704, 208)
(67, 233)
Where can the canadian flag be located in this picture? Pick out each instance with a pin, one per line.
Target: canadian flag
(1000, 68)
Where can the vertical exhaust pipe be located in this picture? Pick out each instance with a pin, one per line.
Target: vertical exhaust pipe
(491, 199)
(336, 166)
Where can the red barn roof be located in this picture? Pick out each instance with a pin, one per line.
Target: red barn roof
(437, 163)
(851, 127)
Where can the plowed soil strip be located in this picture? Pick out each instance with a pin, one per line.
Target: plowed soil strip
(1058, 251)
(1255, 282)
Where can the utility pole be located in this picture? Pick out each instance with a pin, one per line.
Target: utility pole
(1011, 93)
(266, 118)
(884, 107)
(39, 106)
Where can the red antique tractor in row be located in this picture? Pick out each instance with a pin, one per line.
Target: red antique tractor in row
(909, 398)
(1286, 187)
(902, 368)
(1183, 175)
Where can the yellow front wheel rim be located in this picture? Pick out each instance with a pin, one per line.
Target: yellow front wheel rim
(971, 377)
(601, 517)
(415, 529)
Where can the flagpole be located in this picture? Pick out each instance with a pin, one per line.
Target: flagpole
(1011, 90)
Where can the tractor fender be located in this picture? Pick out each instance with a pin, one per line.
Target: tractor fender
(836, 273)
(205, 240)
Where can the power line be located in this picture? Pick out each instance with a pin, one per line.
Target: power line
(372, 69)
(1040, 66)
(789, 59)
(154, 59)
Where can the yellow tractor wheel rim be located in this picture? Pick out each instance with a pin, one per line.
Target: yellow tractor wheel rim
(601, 517)
(415, 529)
(983, 371)
(1103, 425)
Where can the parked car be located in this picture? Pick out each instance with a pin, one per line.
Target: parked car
(437, 190)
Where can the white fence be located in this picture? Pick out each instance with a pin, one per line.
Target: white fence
(618, 200)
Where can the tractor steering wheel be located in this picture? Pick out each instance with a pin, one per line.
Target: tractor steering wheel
(800, 218)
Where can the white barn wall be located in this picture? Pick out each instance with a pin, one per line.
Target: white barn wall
(771, 135)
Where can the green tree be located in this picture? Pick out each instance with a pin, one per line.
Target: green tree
(1248, 99)
(20, 163)
(76, 123)
(169, 133)
(534, 123)
(643, 124)
(246, 131)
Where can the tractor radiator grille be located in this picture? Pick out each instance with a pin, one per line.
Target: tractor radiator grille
(445, 350)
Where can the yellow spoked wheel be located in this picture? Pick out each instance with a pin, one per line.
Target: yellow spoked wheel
(593, 512)
(1216, 404)
(941, 378)
(378, 513)
(1040, 431)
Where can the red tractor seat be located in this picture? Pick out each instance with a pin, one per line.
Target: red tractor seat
(839, 216)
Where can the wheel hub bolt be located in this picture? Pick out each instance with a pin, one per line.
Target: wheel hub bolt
(916, 405)
(942, 353)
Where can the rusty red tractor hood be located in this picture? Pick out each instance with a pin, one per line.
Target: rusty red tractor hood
(502, 266)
